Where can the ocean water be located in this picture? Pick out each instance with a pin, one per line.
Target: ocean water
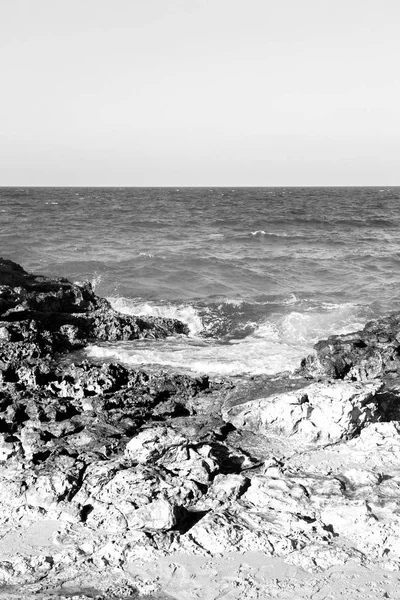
(258, 274)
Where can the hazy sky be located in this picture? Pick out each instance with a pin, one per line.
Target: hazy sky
(200, 92)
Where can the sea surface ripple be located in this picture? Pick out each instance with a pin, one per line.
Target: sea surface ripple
(259, 274)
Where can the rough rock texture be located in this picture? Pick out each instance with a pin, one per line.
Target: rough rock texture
(116, 481)
(367, 354)
(40, 316)
(318, 413)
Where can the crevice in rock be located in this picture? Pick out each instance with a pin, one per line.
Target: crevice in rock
(46, 436)
(224, 431)
(65, 411)
(191, 518)
(229, 463)
(244, 488)
(5, 427)
(329, 529)
(306, 518)
(10, 375)
(40, 457)
(75, 480)
(5, 402)
(85, 512)
(20, 416)
(388, 406)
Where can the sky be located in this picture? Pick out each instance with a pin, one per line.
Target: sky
(199, 92)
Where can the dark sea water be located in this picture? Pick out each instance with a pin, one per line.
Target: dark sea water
(259, 274)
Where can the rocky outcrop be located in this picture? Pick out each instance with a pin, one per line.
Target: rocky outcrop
(319, 413)
(363, 355)
(40, 316)
(127, 469)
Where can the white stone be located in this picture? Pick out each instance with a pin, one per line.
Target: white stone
(320, 412)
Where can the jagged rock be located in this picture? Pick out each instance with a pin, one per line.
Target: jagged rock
(151, 443)
(115, 497)
(80, 381)
(251, 530)
(223, 490)
(319, 413)
(198, 464)
(159, 515)
(281, 495)
(381, 435)
(7, 447)
(363, 355)
(40, 315)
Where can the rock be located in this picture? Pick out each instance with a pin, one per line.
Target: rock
(7, 447)
(228, 487)
(114, 497)
(363, 355)
(320, 413)
(159, 515)
(54, 315)
(151, 443)
(378, 435)
(281, 495)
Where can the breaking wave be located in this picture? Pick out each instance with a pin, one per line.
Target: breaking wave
(234, 338)
(186, 313)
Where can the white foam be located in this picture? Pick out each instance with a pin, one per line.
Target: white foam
(291, 300)
(250, 356)
(258, 232)
(263, 352)
(183, 312)
(277, 344)
(96, 280)
(306, 328)
(233, 301)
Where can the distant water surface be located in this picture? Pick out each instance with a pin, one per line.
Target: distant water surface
(258, 274)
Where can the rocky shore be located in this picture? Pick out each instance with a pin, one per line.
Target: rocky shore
(117, 482)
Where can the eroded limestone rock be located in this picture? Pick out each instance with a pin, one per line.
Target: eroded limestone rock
(319, 413)
(363, 355)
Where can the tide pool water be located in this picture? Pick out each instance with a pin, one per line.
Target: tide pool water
(258, 274)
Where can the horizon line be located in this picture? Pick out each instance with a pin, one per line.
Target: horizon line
(198, 186)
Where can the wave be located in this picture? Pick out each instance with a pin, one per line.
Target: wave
(252, 357)
(297, 218)
(306, 328)
(296, 317)
(186, 313)
(224, 320)
(261, 233)
(279, 234)
(235, 338)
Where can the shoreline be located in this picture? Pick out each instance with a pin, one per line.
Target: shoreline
(117, 482)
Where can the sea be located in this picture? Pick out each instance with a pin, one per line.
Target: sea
(259, 275)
